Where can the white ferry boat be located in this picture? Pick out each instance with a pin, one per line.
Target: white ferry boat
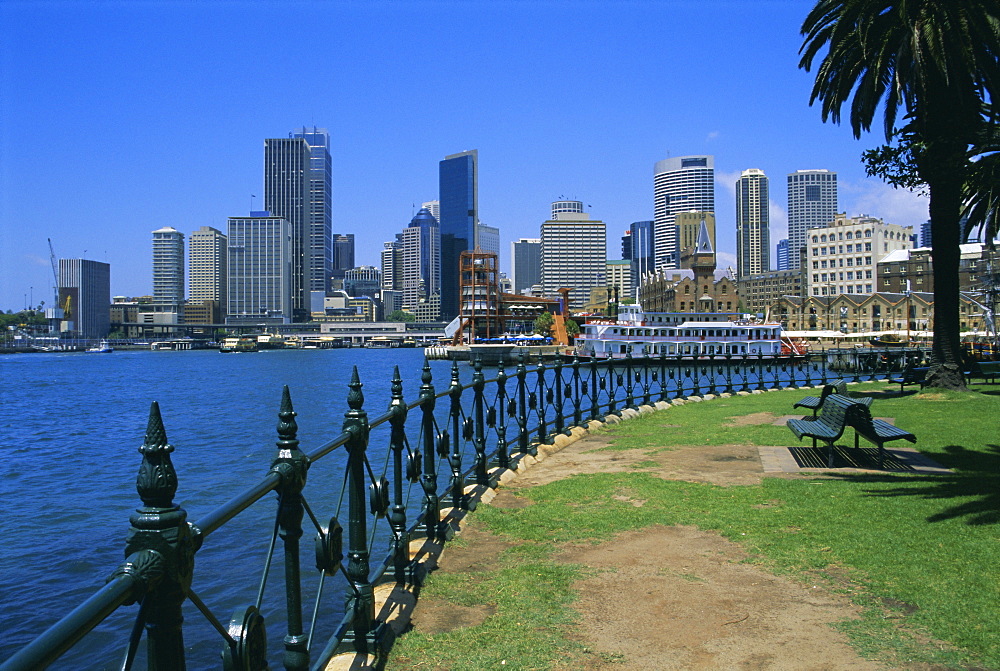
(689, 335)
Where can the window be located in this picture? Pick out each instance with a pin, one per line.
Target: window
(815, 277)
(816, 264)
(823, 265)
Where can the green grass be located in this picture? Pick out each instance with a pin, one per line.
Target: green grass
(920, 554)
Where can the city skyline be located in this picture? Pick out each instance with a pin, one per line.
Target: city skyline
(173, 71)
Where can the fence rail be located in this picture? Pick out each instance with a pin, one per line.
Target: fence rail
(390, 495)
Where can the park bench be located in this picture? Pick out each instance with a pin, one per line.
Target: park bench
(829, 425)
(984, 370)
(814, 403)
(910, 376)
(875, 431)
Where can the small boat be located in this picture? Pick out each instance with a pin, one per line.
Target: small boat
(235, 344)
(888, 340)
(102, 348)
(381, 342)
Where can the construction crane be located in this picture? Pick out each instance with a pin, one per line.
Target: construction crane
(55, 285)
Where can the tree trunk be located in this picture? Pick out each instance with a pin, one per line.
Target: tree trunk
(943, 166)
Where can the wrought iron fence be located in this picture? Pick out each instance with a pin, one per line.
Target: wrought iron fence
(432, 446)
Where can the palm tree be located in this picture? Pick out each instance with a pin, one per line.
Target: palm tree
(938, 60)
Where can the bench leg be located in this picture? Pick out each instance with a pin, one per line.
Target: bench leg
(829, 455)
(881, 451)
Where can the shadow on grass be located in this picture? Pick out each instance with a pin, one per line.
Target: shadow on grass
(977, 479)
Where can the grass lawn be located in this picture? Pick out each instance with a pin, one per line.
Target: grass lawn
(920, 554)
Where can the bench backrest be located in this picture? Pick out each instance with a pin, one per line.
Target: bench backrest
(834, 411)
(915, 374)
(859, 417)
(835, 387)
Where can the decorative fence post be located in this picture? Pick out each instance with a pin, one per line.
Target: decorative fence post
(479, 432)
(160, 548)
(578, 392)
(595, 406)
(629, 395)
(362, 635)
(458, 498)
(558, 385)
(401, 567)
(522, 416)
(431, 525)
(538, 402)
(504, 411)
(291, 464)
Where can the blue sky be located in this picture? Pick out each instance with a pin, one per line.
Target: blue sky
(120, 118)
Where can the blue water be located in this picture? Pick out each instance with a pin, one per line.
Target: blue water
(70, 427)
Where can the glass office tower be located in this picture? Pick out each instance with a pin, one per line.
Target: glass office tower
(458, 187)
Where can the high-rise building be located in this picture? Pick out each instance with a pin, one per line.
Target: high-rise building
(489, 239)
(85, 297)
(567, 207)
(618, 275)
(434, 207)
(318, 232)
(422, 261)
(286, 196)
(574, 252)
(261, 270)
(682, 184)
(525, 263)
(782, 254)
(392, 264)
(458, 195)
(753, 237)
(363, 281)
(168, 265)
(343, 255)
(925, 234)
(207, 265)
(642, 256)
(297, 189)
(812, 203)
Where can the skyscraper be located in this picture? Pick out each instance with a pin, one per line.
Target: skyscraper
(392, 264)
(488, 238)
(421, 259)
(207, 265)
(574, 251)
(458, 196)
(782, 254)
(753, 237)
(682, 184)
(525, 263)
(168, 266)
(297, 189)
(318, 232)
(261, 270)
(343, 254)
(642, 256)
(812, 203)
(85, 297)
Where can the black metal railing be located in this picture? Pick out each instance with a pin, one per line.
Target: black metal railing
(427, 452)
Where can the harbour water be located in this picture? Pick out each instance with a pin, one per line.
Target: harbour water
(70, 426)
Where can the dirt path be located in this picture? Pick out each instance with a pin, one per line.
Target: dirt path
(672, 597)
